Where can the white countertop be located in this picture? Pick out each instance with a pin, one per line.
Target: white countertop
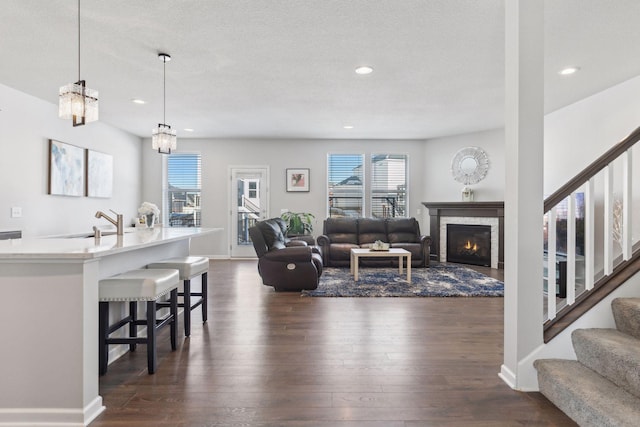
(80, 247)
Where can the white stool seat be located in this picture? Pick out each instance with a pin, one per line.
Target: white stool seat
(135, 286)
(188, 267)
(139, 285)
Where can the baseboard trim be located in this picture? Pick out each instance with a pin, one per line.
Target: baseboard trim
(51, 417)
(507, 376)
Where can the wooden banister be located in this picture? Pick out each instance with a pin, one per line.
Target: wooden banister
(623, 268)
(591, 170)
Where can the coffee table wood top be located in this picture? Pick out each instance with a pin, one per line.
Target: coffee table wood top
(371, 252)
(357, 253)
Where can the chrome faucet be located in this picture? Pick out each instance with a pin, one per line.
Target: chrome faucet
(118, 222)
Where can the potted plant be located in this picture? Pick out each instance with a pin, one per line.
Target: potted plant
(298, 222)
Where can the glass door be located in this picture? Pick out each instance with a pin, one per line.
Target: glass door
(249, 204)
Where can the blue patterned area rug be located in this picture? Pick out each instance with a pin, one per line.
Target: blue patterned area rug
(439, 280)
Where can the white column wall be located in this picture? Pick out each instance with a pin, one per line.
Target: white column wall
(524, 91)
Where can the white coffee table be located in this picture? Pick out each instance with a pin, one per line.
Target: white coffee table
(368, 253)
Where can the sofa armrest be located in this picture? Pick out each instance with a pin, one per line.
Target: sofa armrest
(323, 240)
(293, 243)
(307, 238)
(291, 254)
(425, 241)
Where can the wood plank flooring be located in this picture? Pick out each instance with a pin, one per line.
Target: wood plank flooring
(277, 359)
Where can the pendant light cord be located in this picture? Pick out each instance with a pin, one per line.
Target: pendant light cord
(164, 90)
(78, 40)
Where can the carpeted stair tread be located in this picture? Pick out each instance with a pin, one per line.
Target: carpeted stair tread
(612, 354)
(588, 398)
(626, 312)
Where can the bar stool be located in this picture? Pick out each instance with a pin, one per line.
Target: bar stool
(189, 267)
(133, 286)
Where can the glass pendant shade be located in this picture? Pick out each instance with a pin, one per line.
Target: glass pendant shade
(79, 103)
(164, 139)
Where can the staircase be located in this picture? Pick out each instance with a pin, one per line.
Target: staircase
(602, 387)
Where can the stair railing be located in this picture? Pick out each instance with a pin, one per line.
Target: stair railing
(579, 205)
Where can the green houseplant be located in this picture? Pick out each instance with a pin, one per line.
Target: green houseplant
(298, 222)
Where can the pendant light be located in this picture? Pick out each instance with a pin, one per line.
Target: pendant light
(76, 101)
(164, 138)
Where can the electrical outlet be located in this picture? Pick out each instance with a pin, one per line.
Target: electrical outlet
(418, 211)
(16, 212)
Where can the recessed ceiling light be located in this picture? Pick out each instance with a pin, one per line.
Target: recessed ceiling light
(188, 130)
(347, 127)
(138, 101)
(567, 71)
(364, 69)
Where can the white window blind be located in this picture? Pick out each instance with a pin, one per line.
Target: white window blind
(388, 185)
(345, 174)
(184, 172)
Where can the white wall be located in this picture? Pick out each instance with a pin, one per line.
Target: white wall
(439, 185)
(218, 155)
(579, 133)
(26, 125)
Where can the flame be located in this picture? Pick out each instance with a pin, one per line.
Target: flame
(470, 246)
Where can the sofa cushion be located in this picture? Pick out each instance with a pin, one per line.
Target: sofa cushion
(341, 230)
(403, 230)
(272, 234)
(370, 230)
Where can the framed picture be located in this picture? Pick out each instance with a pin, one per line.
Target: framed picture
(297, 179)
(99, 174)
(66, 169)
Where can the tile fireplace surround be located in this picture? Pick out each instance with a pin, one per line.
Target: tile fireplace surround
(480, 213)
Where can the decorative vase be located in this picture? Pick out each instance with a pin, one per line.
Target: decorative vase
(150, 220)
(467, 194)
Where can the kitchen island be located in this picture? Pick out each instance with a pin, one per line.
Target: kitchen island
(49, 319)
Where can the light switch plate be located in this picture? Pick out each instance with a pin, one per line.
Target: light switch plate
(16, 212)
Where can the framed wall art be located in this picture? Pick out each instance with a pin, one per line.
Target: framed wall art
(297, 180)
(99, 174)
(66, 169)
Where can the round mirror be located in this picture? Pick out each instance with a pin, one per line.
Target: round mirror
(470, 165)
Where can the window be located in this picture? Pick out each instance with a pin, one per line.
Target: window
(253, 189)
(383, 185)
(388, 185)
(183, 190)
(346, 193)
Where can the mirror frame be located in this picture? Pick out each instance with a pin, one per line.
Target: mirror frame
(474, 175)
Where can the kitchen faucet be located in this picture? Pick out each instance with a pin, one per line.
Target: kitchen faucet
(118, 222)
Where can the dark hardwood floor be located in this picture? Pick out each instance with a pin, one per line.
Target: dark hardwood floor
(279, 359)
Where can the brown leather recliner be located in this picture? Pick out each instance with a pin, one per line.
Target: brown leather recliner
(286, 264)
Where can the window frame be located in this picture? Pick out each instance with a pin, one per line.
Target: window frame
(369, 183)
(331, 198)
(402, 196)
(188, 221)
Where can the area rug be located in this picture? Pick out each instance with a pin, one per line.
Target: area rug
(439, 280)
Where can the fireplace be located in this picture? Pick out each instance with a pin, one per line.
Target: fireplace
(469, 244)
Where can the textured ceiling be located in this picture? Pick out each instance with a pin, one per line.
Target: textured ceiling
(284, 68)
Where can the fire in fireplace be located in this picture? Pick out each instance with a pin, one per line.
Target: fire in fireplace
(469, 244)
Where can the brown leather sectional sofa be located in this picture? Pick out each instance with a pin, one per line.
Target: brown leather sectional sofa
(340, 235)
